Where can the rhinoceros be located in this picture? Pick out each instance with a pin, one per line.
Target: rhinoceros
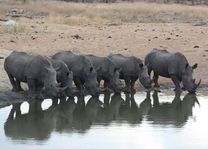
(107, 71)
(131, 68)
(64, 76)
(35, 70)
(174, 66)
(84, 74)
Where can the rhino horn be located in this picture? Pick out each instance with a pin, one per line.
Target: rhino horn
(197, 85)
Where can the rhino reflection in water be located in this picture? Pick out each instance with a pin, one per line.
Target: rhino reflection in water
(176, 113)
(70, 117)
(36, 124)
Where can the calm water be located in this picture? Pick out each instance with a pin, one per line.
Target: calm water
(125, 121)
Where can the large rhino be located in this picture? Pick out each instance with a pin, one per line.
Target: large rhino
(107, 71)
(37, 71)
(84, 74)
(174, 66)
(131, 68)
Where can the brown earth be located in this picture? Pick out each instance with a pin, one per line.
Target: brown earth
(128, 39)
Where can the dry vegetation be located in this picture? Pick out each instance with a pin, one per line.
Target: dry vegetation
(11, 29)
(114, 13)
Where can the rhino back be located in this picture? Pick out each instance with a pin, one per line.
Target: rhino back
(36, 68)
(77, 63)
(16, 64)
(103, 65)
(117, 59)
(164, 63)
(131, 66)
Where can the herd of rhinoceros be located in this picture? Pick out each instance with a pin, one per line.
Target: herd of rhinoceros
(57, 73)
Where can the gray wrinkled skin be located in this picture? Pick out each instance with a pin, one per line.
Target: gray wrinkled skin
(37, 71)
(64, 76)
(171, 65)
(107, 71)
(131, 68)
(84, 75)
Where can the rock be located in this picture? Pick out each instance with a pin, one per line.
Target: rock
(33, 38)
(200, 24)
(12, 40)
(77, 37)
(136, 30)
(196, 46)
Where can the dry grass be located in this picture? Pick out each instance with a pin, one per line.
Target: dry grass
(116, 13)
(11, 29)
(81, 20)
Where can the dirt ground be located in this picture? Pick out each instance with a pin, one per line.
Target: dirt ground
(128, 39)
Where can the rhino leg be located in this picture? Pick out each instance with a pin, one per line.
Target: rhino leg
(132, 85)
(98, 80)
(15, 112)
(106, 99)
(39, 87)
(155, 79)
(32, 89)
(149, 71)
(105, 84)
(79, 86)
(128, 84)
(14, 87)
(19, 88)
(177, 85)
(54, 101)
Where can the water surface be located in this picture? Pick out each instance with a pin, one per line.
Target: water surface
(113, 121)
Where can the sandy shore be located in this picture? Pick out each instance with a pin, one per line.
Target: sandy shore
(128, 39)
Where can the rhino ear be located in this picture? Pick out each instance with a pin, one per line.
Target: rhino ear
(194, 66)
(48, 70)
(141, 65)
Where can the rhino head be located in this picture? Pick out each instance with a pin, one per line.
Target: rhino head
(187, 78)
(144, 77)
(91, 83)
(65, 78)
(114, 81)
(50, 83)
(63, 75)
